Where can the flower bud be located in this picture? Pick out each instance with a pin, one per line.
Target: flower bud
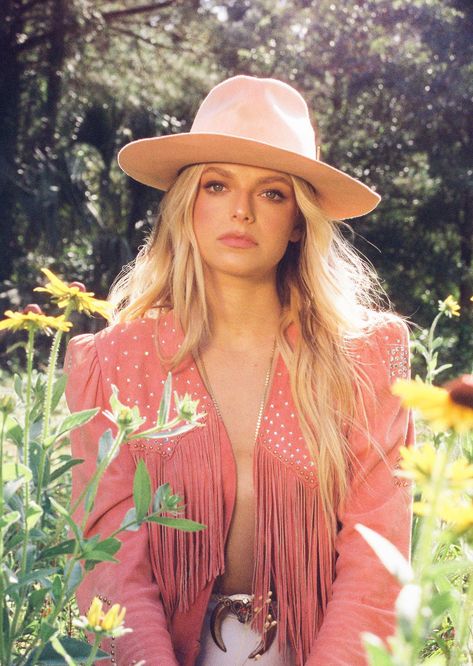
(125, 416)
(32, 307)
(461, 390)
(80, 286)
(7, 404)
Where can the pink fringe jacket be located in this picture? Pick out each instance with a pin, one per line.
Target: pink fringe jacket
(165, 577)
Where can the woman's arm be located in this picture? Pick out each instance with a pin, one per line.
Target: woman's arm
(130, 582)
(364, 593)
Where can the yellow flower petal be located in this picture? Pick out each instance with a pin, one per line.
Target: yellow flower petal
(82, 301)
(435, 405)
(95, 614)
(16, 321)
(113, 618)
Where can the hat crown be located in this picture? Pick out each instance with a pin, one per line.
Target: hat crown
(263, 110)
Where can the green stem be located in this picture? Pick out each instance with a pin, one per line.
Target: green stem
(93, 483)
(26, 462)
(2, 588)
(93, 652)
(423, 555)
(430, 341)
(53, 356)
(464, 625)
(26, 439)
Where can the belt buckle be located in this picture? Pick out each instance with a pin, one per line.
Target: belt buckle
(243, 610)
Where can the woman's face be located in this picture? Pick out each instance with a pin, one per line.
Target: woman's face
(244, 217)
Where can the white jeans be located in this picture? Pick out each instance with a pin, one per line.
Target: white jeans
(240, 641)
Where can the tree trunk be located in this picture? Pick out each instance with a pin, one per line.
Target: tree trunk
(10, 80)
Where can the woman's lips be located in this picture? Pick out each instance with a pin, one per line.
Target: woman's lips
(235, 240)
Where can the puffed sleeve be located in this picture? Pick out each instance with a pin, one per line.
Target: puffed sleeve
(130, 582)
(364, 593)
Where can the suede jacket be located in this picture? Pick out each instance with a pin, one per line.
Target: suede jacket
(325, 598)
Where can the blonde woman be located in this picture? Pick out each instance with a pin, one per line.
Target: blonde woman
(247, 291)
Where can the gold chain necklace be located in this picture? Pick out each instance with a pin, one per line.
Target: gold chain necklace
(265, 389)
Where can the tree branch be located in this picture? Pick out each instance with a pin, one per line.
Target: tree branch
(141, 9)
(149, 42)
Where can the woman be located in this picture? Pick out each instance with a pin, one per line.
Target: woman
(248, 292)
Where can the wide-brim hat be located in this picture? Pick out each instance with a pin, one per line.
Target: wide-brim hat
(257, 122)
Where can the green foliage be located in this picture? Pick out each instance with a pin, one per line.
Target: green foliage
(44, 552)
(390, 83)
(435, 604)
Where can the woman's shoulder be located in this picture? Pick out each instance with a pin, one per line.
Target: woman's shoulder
(383, 345)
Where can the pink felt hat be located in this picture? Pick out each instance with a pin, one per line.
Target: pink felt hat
(259, 122)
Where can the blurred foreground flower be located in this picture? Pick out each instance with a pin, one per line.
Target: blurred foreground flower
(33, 318)
(424, 463)
(445, 407)
(82, 301)
(449, 307)
(107, 624)
(458, 516)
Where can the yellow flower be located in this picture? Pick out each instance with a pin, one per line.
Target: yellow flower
(32, 318)
(460, 474)
(110, 623)
(437, 405)
(95, 614)
(114, 618)
(419, 464)
(450, 307)
(75, 293)
(459, 516)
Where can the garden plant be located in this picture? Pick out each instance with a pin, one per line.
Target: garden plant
(44, 554)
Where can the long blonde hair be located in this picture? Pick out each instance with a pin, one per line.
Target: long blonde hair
(325, 289)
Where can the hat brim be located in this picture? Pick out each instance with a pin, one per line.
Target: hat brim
(157, 161)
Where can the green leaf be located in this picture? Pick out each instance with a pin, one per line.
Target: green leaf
(63, 548)
(18, 385)
(64, 468)
(440, 603)
(130, 517)
(74, 571)
(46, 630)
(377, 652)
(110, 545)
(75, 421)
(11, 487)
(56, 588)
(141, 490)
(78, 650)
(165, 404)
(177, 523)
(160, 495)
(36, 598)
(59, 387)
(13, 470)
(72, 524)
(33, 514)
(38, 576)
(105, 445)
(393, 560)
(13, 431)
(102, 551)
(9, 519)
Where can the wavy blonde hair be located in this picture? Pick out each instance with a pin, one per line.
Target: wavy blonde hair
(325, 289)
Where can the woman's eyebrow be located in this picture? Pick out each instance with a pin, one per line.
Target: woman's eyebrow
(261, 181)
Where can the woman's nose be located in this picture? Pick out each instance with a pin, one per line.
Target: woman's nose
(243, 210)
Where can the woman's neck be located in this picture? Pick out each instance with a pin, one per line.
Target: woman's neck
(243, 314)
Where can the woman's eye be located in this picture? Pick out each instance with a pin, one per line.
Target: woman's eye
(214, 187)
(274, 195)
